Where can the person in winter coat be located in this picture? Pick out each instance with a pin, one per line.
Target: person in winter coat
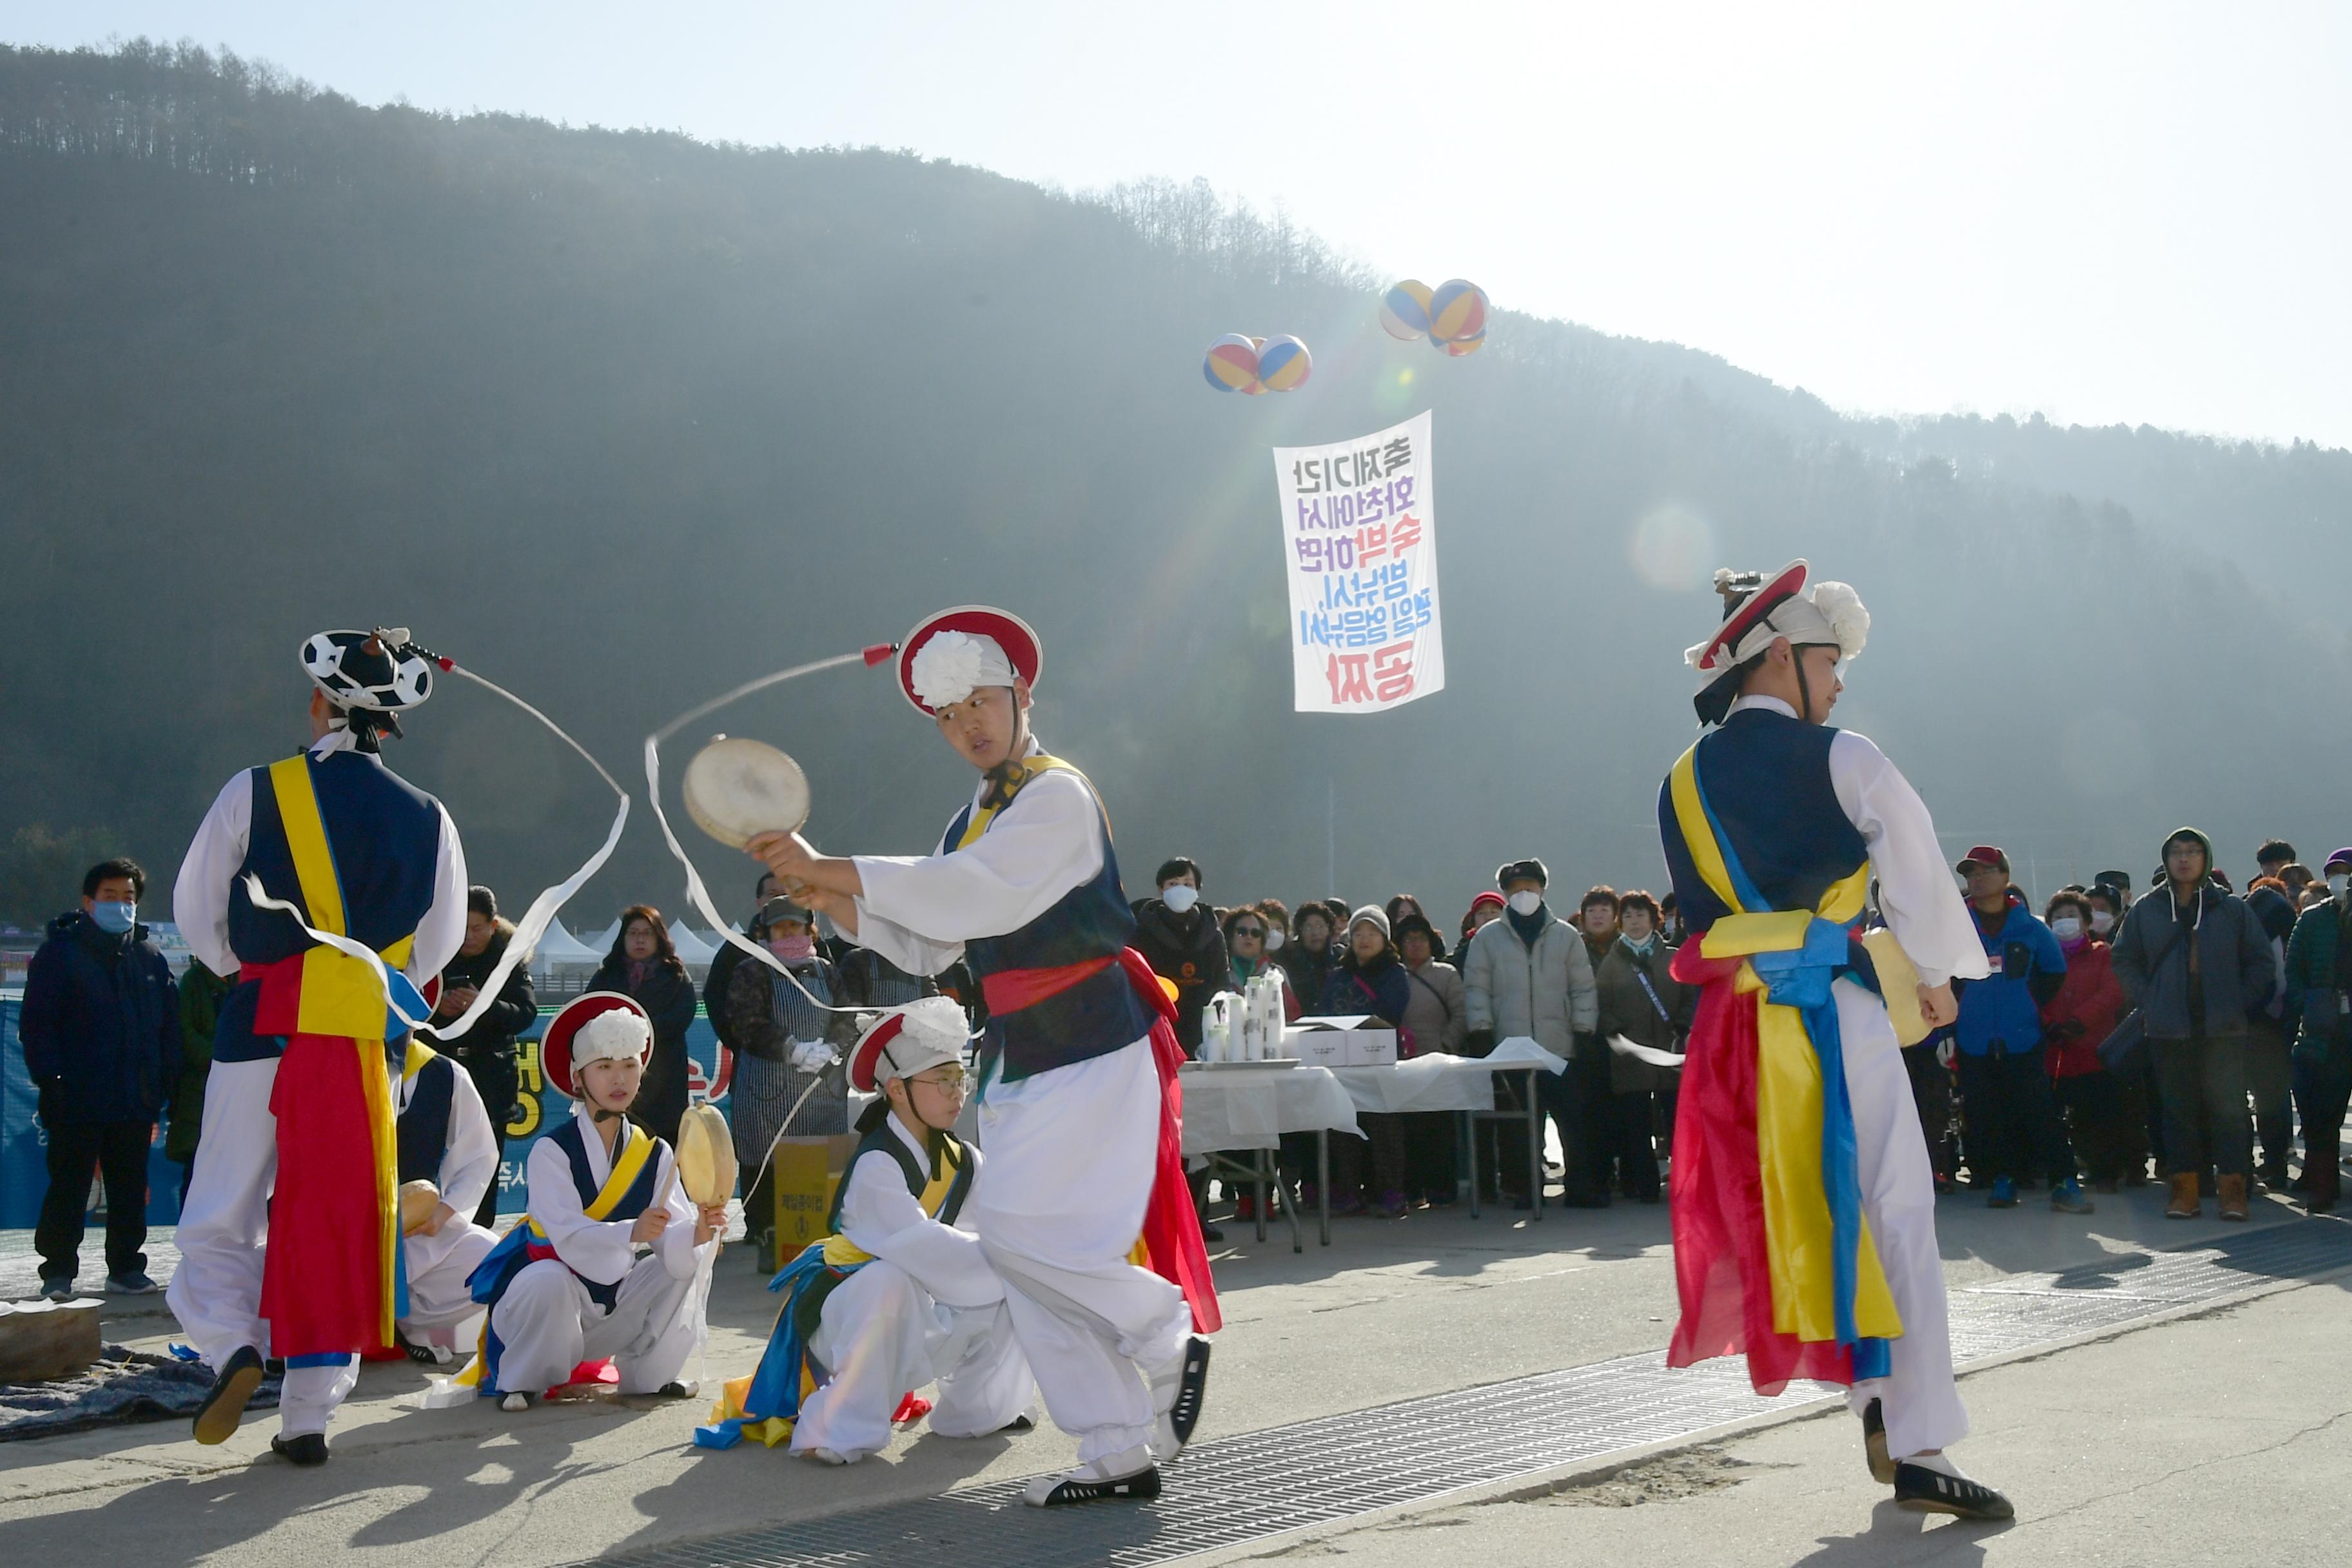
(486, 1050)
(200, 995)
(1643, 1002)
(1181, 941)
(2197, 964)
(1437, 1017)
(1485, 910)
(2088, 1004)
(2136, 1074)
(785, 1043)
(1248, 930)
(2008, 1115)
(101, 1028)
(1371, 979)
(643, 965)
(1529, 974)
(717, 981)
(1310, 954)
(2269, 1074)
(2319, 1000)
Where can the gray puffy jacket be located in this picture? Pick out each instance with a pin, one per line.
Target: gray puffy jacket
(1546, 992)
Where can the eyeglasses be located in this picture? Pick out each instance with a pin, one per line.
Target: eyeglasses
(1255, 932)
(946, 1080)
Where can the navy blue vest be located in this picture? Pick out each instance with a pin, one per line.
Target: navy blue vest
(1766, 777)
(635, 1202)
(1093, 1018)
(386, 836)
(423, 1129)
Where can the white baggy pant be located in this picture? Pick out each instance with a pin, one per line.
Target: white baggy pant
(547, 1324)
(1058, 1205)
(1917, 1397)
(439, 1301)
(881, 1336)
(216, 1292)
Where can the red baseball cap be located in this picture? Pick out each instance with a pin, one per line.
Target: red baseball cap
(1983, 855)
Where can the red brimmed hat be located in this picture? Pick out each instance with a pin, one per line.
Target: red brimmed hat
(938, 1035)
(555, 1046)
(1991, 855)
(1721, 653)
(1008, 631)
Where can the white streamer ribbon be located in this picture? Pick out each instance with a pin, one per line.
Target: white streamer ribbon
(1650, 1054)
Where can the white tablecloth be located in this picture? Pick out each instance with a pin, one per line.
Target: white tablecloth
(1240, 1107)
(1440, 1082)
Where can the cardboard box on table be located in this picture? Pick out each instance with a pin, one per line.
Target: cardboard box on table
(807, 1172)
(1341, 1042)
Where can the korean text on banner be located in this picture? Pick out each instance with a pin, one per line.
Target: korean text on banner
(1360, 549)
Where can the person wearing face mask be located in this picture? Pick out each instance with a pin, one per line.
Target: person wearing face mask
(1643, 1003)
(1485, 910)
(2269, 1037)
(2142, 1128)
(2084, 1011)
(1529, 974)
(785, 1045)
(101, 1030)
(2319, 1001)
(1183, 941)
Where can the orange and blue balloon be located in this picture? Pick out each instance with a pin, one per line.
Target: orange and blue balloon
(1284, 363)
(1404, 309)
(1231, 365)
(1458, 310)
(1461, 347)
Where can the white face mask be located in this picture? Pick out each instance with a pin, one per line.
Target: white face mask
(2066, 927)
(1179, 897)
(2102, 922)
(1526, 903)
(2337, 881)
(1275, 938)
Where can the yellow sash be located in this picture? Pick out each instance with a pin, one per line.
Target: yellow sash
(1029, 768)
(840, 1252)
(1797, 1230)
(340, 996)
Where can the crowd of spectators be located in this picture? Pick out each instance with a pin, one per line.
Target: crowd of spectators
(2184, 1035)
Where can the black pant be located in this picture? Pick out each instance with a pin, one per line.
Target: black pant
(1429, 1165)
(1578, 1101)
(1629, 1128)
(661, 1096)
(118, 1150)
(1931, 1091)
(2094, 1106)
(496, 1080)
(2202, 1083)
(2271, 1082)
(2323, 1087)
(2011, 1117)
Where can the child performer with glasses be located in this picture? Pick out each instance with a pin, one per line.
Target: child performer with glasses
(896, 1295)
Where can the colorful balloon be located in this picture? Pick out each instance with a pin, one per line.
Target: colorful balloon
(1231, 365)
(1404, 309)
(1284, 364)
(1457, 309)
(1461, 347)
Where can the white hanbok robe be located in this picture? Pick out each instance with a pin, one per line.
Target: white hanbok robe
(1923, 906)
(548, 1323)
(439, 1301)
(928, 1309)
(1072, 1152)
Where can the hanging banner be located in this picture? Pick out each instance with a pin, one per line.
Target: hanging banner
(1359, 548)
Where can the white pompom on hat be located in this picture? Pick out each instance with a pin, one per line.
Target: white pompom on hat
(904, 1041)
(951, 655)
(596, 1027)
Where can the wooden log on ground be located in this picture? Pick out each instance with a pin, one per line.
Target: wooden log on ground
(45, 1340)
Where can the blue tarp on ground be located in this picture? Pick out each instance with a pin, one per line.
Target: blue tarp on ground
(24, 1171)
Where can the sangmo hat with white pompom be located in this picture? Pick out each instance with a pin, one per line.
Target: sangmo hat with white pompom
(1758, 611)
(904, 1041)
(954, 653)
(595, 1026)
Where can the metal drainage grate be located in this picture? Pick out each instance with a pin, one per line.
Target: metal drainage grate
(1243, 1488)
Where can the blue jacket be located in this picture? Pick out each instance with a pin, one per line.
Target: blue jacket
(2004, 1007)
(101, 1020)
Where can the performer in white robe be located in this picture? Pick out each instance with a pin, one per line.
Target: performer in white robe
(612, 1259)
(1026, 887)
(901, 1295)
(1774, 816)
(445, 1136)
(366, 856)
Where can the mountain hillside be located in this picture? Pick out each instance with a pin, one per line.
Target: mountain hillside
(622, 419)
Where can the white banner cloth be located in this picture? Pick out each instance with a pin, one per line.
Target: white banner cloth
(1359, 552)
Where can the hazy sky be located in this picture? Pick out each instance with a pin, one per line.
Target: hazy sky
(2109, 212)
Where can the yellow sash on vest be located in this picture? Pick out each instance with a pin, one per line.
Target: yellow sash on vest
(1789, 1111)
(340, 996)
(840, 1252)
(1028, 768)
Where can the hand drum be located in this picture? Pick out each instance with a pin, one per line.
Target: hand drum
(736, 789)
(706, 1156)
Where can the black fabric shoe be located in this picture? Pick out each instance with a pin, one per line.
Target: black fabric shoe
(1873, 1445)
(224, 1402)
(1060, 1492)
(1015, 1427)
(1190, 1378)
(1923, 1490)
(308, 1450)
